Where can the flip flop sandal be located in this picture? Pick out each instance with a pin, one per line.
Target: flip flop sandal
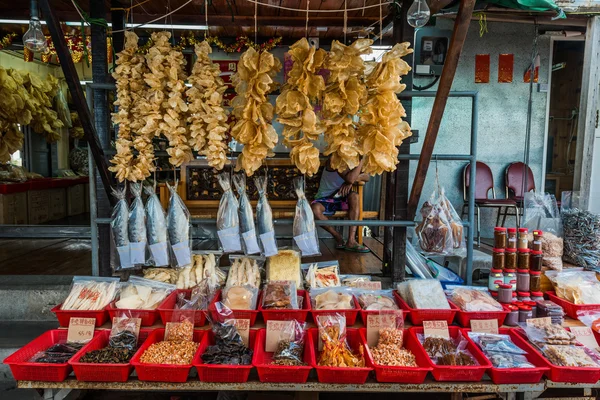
(357, 249)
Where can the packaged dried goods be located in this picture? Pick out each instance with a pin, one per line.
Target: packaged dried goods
(204, 266)
(170, 352)
(579, 287)
(590, 318)
(332, 299)
(376, 300)
(245, 270)
(229, 347)
(474, 300)
(434, 231)
(178, 228)
(547, 308)
(280, 296)
(247, 230)
(90, 293)
(582, 238)
(304, 228)
(119, 230)
(136, 226)
(240, 297)
(142, 294)
(443, 351)
(228, 223)
(323, 274)
(122, 344)
(508, 360)
(285, 266)
(156, 228)
(166, 275)
(336, 351)
(354, 280)
(389, 350)
(489, 342)
(264, 217)
(290, 345)
(180, 330)
(570, 356)
(424, 294)
(541, 334)
(58, 353)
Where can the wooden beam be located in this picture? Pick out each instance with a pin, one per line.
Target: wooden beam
(459, 34)
(66, 63)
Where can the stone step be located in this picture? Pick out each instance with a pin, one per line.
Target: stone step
(30, 298)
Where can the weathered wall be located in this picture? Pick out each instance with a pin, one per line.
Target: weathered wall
(502, 113)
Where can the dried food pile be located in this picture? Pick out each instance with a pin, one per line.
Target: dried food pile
(58, 353)
(444, 352)
(336, 352)
(389, 350)
(229, 347)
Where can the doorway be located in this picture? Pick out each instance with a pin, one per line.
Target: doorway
(563, 113)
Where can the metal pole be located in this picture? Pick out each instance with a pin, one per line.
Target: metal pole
(472, 225)
(93, 208)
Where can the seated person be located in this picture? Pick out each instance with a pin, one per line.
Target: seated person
(335, 194)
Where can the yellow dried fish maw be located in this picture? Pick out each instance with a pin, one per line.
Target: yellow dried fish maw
(11, 140)
(382, 128)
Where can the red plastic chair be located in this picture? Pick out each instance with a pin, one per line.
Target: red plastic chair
(484, 182)
(515, 186)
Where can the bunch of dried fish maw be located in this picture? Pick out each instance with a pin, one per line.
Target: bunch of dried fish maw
(382, 128)
(344, 96)
(208, 118)
(301, 124)
(253, 82)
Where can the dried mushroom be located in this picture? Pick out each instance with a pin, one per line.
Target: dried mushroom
(251, 107)
(295, 109)
(382, 128)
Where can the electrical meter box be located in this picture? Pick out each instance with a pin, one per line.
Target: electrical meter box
(431, 48)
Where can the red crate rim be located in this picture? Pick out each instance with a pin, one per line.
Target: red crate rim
(9, 360)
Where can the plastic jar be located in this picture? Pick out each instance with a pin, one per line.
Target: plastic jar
(535, 296)
(524, 313)
(498, 259)
(511, 241)
(500, 237)
(522, 280)
(510, 278)
(512, 318)
(533, 306)
(494, 295)
(510, 259)
(523, 259)
(514, 298)
(522, 241)
(505, 293)
(524, 297)
(535, 282)
(535, 260)
(536, 244)
(495, 279)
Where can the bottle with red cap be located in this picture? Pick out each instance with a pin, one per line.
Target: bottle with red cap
(500, 237)
(511, 241)
(525, 313)
(522, 240)
(536, 244)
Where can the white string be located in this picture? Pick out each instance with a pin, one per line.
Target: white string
(380, 23)
(206, 32)
(156, 19)
(307, 9)
(345, 19)
(317, 11)
(79, 12)
(255, 23)
(363, 10)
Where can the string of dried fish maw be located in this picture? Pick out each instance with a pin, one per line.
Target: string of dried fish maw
(207, 119)
(253, 82)
(301, 125)
(382, 128)
(11, 140)
(344, 96)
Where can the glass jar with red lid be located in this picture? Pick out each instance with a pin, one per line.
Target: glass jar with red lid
(500, 237)
(535, 260)
(511, 241)
(505, 293)
(522, 240)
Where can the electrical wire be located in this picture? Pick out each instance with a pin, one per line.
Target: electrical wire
(318, 11)
(154, 20)
(428, 86)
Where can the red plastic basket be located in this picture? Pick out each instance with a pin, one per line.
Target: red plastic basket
(455, 373)
(516, 375)
(464, 317)
(23, 370)
(148, 317)
(287, 315)
(8, 188)
(166, 309)
(267, 372)
(93, 372)
(163, 372)
(222, 372)
(365, 313)
(384, 373)
(417, 316)
(351, 314)
(571, 308)
(339, 374)
(562, 374)
(237, 314)
(64, 316)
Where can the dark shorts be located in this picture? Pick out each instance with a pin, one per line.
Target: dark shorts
(332, 205)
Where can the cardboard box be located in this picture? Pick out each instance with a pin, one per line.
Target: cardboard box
(13, 208)
(38, 206)
(75, 200)
(57, 204)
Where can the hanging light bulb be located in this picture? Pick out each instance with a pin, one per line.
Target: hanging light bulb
(34, 39)
(418, 14)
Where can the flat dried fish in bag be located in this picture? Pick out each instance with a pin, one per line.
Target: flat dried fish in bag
(136, 226)
(118, 226)
(305, 230)
(247, 229)
(264, 218)
(156, 228)
(178, 228)
(228, 225)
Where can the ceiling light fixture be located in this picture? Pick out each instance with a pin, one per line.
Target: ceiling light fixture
(34, 39)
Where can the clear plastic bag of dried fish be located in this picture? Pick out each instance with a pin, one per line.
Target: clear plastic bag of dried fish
(264, 217)
(228, 224)
(247, 229)
(156, 228)
(178, 229)
(136, 227)
(119, 231)
(305, 230)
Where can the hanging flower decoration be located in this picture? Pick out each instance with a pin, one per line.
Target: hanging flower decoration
(7, 40)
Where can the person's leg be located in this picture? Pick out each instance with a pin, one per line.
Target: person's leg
(352, 215)
(318, 210)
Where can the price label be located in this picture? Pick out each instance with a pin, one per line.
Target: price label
(539, 321)
(368, 285)
(243, 328)
(376, 322)
(585, 336)
(278, 330)
(436, 329)
(485, 325)
(81, 330)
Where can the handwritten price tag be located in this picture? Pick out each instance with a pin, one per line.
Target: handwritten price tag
(81, 330)
(274, 333)
(585, 336)
(485, 325)
(376, 322)
(436, 329)
(368, 285)
(539, 321)
(243, 328)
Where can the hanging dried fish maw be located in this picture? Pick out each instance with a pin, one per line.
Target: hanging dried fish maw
(301, 125)
(251, 107)
(344, 95)
(11, 140)
(382, 128)
(207, 117)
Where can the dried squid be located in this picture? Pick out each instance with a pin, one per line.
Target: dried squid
(382, 128)
(344, 96)
(208, 118)
(251, 107)
(301, 124)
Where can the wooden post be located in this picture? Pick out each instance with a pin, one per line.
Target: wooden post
(77, 95)
(459, 34)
